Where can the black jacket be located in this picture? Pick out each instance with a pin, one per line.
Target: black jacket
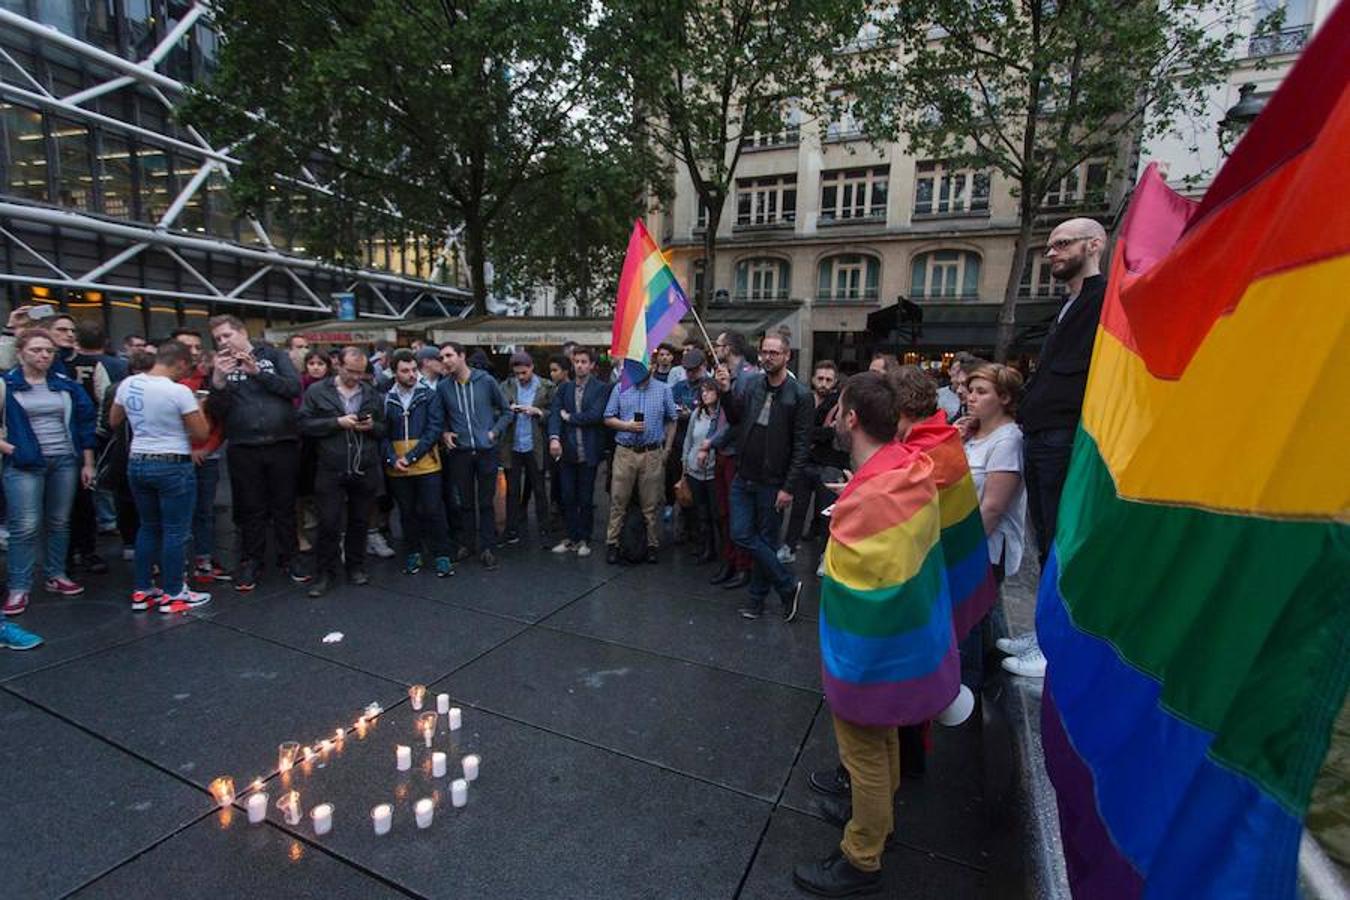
(256, 410)
(338, 449)
(1054, 396)
(788, 441)
(824, 449)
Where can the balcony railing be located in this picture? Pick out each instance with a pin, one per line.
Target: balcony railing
(952, 211)
(941, 295)
(859, 295)
(1286, 40)
(760, 296)
(875, 216)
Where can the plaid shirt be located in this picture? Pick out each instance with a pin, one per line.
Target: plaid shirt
(654, 401)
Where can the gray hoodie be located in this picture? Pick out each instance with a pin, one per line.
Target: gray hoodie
(472, 409)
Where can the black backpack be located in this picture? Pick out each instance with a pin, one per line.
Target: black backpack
(633, 537)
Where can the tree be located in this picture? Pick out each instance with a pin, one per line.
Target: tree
(1033, 89)
(421, 115)
(709, 76)
(571, 232)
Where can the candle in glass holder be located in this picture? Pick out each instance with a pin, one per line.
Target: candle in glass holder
(426, 723)
(459, 792)
(373, 710)
(257, 808)
(404, 757)
(308, 753)
(322, 816)
(289, 804)
(442, 703)
(223, 790)
(383, 817)
(424, 810)
(340, 735)
(287, 753)
(360, 726)
(325, 745)
(417, 694)
(471, 767)
(438, 764)
(456, 718)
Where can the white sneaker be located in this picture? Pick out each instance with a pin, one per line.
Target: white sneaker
(183, 601)
(564, 547)
(785, 554)
(377, 546)
(1017, 646)
(1032, 665)
(583, 548)
(128, 554)
(820, 569)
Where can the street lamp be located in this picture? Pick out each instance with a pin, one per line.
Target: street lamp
(1240, 116)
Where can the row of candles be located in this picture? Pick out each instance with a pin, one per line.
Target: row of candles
(289, 753)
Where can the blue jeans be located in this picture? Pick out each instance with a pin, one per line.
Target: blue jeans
(204, 511)
(577, 483)
(165, 493)
(755, 526)
(35, 495)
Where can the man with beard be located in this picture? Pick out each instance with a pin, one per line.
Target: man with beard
(1053, 402)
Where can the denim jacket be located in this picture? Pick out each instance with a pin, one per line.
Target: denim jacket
(80, 418)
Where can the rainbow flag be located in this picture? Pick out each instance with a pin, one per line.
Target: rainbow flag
(887, 646)
(649, 305)
(970, 578)
(1195, 611)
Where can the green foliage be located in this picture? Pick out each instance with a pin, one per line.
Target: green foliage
(1033, 88)
(420, 115)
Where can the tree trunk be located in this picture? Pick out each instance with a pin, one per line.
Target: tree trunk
(1007, 313)
(709, 262)
(475, 250)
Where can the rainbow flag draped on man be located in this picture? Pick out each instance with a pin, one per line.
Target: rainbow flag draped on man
(1195, 611)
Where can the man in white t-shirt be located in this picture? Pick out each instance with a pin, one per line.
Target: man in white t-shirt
(165, 418)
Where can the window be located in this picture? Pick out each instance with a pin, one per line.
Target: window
(25, 152)
(762, 279)
(1294, 21)
(941, 191)
(1036, 280)
(945, 273)
(786, 136)
(843, 126)
(848, 277)
(702, 219)
(853, 194)
(766, 201)
(1083, 186)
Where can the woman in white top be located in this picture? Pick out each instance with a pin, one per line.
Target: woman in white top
(165, 418)
(994, 451)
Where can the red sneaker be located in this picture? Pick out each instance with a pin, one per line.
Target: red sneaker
(143, 600)
(63, 586)
(16, 602)
(208, 571)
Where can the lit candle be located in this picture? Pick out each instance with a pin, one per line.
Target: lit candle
(438, 764)
(257, 808)
(223, 790)
(361, 727)
(471, 767)
(289, 804)
(423, 810)
(404, 757)
(308, 754)
(459, 792)
(340, 735)
(383, 817)
(456, 718)
(322, 815)
(426, 723)
(442, 703)
(287, 753)
(325, 745)
(417, 694)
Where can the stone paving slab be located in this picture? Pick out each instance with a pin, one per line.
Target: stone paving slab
(73, 806)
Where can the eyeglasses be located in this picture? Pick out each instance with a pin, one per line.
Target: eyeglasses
(1064, 243)
(772, 353)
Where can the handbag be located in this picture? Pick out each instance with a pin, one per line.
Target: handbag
(427, 465)
(683, 494)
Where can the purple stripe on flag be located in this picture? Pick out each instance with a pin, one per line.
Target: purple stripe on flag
(908, 702)
(676, 305)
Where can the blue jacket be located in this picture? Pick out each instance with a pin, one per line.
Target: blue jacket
(80, 418)
(423, 421)
(474, 408)
(587, 420)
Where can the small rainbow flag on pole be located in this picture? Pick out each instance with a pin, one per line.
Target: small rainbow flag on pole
(649, 305)
(1195, 609)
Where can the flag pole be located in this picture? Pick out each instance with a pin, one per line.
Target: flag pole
(693, 309)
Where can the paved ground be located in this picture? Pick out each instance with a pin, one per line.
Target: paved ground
(638, 740)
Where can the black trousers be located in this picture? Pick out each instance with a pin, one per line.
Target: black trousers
(333, 489)
(83, 523)
(705, 513)
(810, 498)
(263, 481)
(1045, 466)
(421, 510)
(473, 485)
(525, 479)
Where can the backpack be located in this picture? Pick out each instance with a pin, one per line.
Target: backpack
(633, 537)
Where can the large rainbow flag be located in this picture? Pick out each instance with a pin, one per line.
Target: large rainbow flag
(970, 578)
(649, 305)
(1195, 610)
(887, 646)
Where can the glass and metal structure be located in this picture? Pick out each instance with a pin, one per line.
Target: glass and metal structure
(106, 200)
